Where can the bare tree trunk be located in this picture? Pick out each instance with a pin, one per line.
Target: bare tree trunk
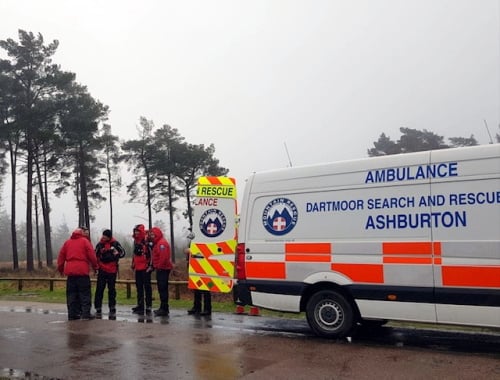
(148, 200)
(29, 210)
(79, 200)
(46, 219)
(171, 216)
(13, 164)
(42, 189)
(83, 188)
(189, 207)
(110, 199)
(40, 266)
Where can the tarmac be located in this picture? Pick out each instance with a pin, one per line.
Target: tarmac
(38, 342)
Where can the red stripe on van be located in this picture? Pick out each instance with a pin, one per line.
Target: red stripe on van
(198, 269)
(373, 273)
(214, 180)
(265, 270)
(407, 260)
(218, 268)
(317, 248)
(414, 248)
(308, 252)
(488, 277)
(210, 284)
(437, 248)
(217, 180)
(204, 250)
(308, 258)
(225, 248)
(191, 283)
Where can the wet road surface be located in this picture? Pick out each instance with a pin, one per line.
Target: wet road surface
(37, 342)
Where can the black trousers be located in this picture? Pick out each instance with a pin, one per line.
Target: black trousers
(162, 280)
(78, 296)
(144, 289)
(103, 279)
(207, 300)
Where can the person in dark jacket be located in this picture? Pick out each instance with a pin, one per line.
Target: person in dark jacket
(74, 259)
(108, 251)
(163, 265)
(142, 266)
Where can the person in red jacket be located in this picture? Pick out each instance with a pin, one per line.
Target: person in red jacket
(75, 257)
(142, 266)
(108, 251)
(163, 265)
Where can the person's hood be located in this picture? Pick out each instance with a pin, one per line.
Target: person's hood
(158, 234)
(142, 233)
(78, 233)
(105, 241)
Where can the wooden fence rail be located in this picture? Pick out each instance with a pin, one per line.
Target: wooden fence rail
(128, 283)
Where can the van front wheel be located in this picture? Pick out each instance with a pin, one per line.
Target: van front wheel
(329, 314)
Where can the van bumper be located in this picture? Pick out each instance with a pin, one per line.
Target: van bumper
(243, 295)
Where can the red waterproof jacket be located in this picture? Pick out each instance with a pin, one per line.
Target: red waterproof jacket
(108, 252)
(76, 255)
(141, 260)
(161, 251)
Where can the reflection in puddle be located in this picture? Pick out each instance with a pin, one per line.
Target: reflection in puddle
(10, 373)
(145, 319)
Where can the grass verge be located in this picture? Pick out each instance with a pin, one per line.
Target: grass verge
(40, 293)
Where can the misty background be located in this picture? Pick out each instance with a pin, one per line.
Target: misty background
(272, 83)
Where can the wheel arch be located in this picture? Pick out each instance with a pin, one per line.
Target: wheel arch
(312, 289)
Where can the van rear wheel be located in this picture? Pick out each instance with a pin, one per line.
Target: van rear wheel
(329, 314)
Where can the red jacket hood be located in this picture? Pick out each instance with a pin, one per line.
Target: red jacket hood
(158, 234)
(78, 233)
(142, 233)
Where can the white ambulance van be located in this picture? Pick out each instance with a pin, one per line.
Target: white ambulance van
(411, 237)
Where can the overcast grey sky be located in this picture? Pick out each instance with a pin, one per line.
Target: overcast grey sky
(324, 77)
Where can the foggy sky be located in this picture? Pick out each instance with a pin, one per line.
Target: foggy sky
(326, 78)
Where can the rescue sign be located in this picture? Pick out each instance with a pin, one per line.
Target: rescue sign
(216, 187)
(211, 264)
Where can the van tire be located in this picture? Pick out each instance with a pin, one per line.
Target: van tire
(329, 314)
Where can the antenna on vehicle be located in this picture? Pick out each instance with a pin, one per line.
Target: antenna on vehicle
(488, 130)
(288, 155)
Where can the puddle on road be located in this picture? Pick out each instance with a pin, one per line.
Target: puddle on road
(121, 316)
(31, 309)
(10, 373)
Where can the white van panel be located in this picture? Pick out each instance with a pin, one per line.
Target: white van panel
(428, 243)
(281, 302)
(469, 315)
(403, 311)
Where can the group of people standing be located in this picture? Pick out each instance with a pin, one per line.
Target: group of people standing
(151, 252)
(77, 256)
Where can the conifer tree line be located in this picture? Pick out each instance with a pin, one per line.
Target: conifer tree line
(54, 135)
(413, 140)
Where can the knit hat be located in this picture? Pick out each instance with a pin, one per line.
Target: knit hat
(107, 233)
